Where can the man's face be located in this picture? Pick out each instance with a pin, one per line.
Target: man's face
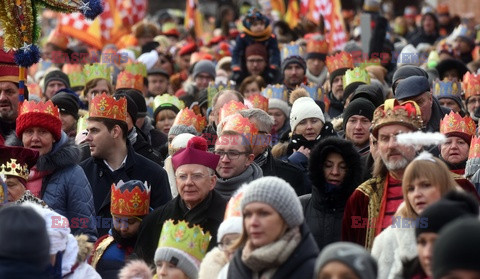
(69, 123)
(8, 101)
(52, 87)
(294, 75)
(99, 139)
(337, 87)
(157, 84)
(184, 61)
(472, 104)
(357, 130)
(256, 64)
(395, 157)
(315, 65)
(449, 103)
(127, 226)
(194, 182)
(202, 80)
(235, 159)
(425, 101)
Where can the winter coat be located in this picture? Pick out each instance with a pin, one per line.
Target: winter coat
(154, 136)
(208, 214)
(15, 269)
(244, 40)
(212, 264)
(136, 167)
(300, 264)
(143, 147)
(336, 107)
(324, 208)
(66, 189)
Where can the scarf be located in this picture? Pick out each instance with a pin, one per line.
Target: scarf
(226, 187)
(262, 158)
(320, 79)
(132, 136)
(265, 260)
(261, 36)
(35, 180)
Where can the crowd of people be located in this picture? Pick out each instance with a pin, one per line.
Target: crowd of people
(262, 152)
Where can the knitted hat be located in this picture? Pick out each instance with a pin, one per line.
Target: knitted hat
(360, 106)
(39, 114)
(56, 75)
(195, 153)
(352, 255)
(277, 193)
(256, 49)
(372, 92)
(66, 103)
(204, 66)
(452, 206)
(131, 106)
(182, 129)
(25, 238)
(230, 225)
(8, 69)
(303, 108)
(279, 104)
(457, 247)
(411, 87)
(406, 71)
(294, 59)
(139, 100)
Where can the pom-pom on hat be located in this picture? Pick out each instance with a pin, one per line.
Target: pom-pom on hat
(45, 115)
(195, 153)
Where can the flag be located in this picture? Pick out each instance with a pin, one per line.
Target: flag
(292, 17)
(305, 7)
(193, 18)
(278, 5)
(332, 16)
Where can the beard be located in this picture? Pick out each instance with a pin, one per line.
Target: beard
(396, 165)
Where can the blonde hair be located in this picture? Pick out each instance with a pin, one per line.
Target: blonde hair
(165, 113)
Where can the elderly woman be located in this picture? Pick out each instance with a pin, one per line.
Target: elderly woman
(275, 242)
(56, 178)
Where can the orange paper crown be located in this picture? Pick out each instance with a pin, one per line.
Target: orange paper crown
(58, 39)
(317, 46)
(188, 117)
(471, 85)
(341, 60)
(241, 125)
(41, 107)
(128, 80)
(105, 106)
(392, 112)
(230, 108)
(258, 101)
(474, 151)
(134, 202)
(454, 123)
(72, 68)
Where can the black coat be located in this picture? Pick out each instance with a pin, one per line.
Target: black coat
(323, 209)
(136, 167)
(300, 264)
(143, 147)
(208, 214)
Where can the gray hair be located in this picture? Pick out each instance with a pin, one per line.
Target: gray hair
(264, 121)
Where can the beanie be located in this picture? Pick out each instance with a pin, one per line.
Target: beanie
(131, 106)
(457, 247)
(303, 108)
(182, 129)
(404, 72)
(360, 106)
(56, 75)
(294, 59)
(139, 100)
(279, 104)
(184, 261)
(66, 103)
(352, 255)
(204, 66)
(256, 49)
(411, 87)
(231, 225)
(277, 193)
(372, 92)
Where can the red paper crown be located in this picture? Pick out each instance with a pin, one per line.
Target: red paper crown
(241, 125)
(471, 85)
(258, 101)
(474, 151)
(317, 46)
(454, 124)
(341, 60)
(105, 106)
(230, 108)
(39, 114)
(188, 117)
(128, 80)
(392, 112)
(134, 202)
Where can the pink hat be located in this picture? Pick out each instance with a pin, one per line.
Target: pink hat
(195, 153)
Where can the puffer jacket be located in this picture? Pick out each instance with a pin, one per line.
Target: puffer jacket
(66, 189)
(324, 208)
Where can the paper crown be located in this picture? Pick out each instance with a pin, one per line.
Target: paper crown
(72, 68)
(191, 240)
(170, 29)
(137, 69)
(341, 60)
(42, 107)
(230, 108)
(17, 161)
(130, 202)
(241, 125)
(447, 89)
(355, 75)
(292, 49)
(35, 89)
(77, 79)
(188, 117)
(58, 39)
(471, 85)
(370, 62)
(258, 101)
(317, 46)
(167, 100)
(392, 112)
(213, 88)
(126, 79)
(277, 91)
(317, 93)
(105, 106)
(234, 207)
(454, 123)
(474, 151)
(97, 70)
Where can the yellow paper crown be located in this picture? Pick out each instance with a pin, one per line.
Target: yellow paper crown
(258, 101)
(134, 202)
(392, 112)
(230, 108)
(167, 100)
(341, 60)
(446, 89)
(471, 85)
(454, 123)
(126, 79)
(474, 151)
(137, 69)
(97, 70)
(191, 240)
(105, 106)
(77, 79)
(12, 167)
(355, 75)
(188, 117)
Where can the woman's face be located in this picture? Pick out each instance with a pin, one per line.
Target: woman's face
(454, 150)
(250, 89)
(278, 118)
(38, 139)
(164, 64)
(309, 128)
(101, 87)
(164, 122)
(334, 169)
(166, 270)
(263, 224)
(15, 188)
(336, 270)
(421, 193)
(428, 24)
(425, 243)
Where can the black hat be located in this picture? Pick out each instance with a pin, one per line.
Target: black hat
(158, 71)
(450, 64)
(359, 106)
(405, 72)
(349, 89)
(66, 103)
(58, 76)
(372, 92)
(131, 106)
(139, 100)
(411, 87)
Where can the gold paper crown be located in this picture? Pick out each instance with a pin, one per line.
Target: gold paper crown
(317, 46)
(77, 79)
(135, 202)
(31, 106)
(97, 70)
(167, 99)
(341, 60)
(292, 49)
(258, 101)
(446, 88)
(213, 88)
(105, 106)
(128, 80)
(355, 75)
(242, 125)
(392, 112)
(137, 69)
(471, 85)
(188, 117)
(277, 91)
(230, 108)
(11, 167)
(474, 151)
(454, 123)
(191, 240)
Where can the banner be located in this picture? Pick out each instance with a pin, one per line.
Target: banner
(193, 18)
(332, 16)
(292, 17)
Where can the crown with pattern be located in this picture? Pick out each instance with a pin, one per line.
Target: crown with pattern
(167, 100)
(317, 46)
(105, 106)
(234, 208)
(370, 62)
(242, 125)
(341, 60)
(137, 69)
(42, 107)
(58, 39)
(474, 151)
(77, 79)
(454, 123)
(230, 108)
(191, 240)
(126, 79)
(471, 85)
(258, 101)
(130, 202)
(277, 91)
(72, 68)
(355, 75)
(97, 70)
(188, 117)
(12, 167)
(292, 49)
(213, 88)
(317, 92)
(392, 112)
(447, 89)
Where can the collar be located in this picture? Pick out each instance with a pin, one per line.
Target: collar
(121, 165)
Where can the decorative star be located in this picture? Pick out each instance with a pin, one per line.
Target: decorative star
(26, 47)
(84, 7)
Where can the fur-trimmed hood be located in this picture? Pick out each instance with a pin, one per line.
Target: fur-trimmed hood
(64, 153)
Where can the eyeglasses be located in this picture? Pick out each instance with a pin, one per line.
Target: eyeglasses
(232, 155)
(194, 176)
